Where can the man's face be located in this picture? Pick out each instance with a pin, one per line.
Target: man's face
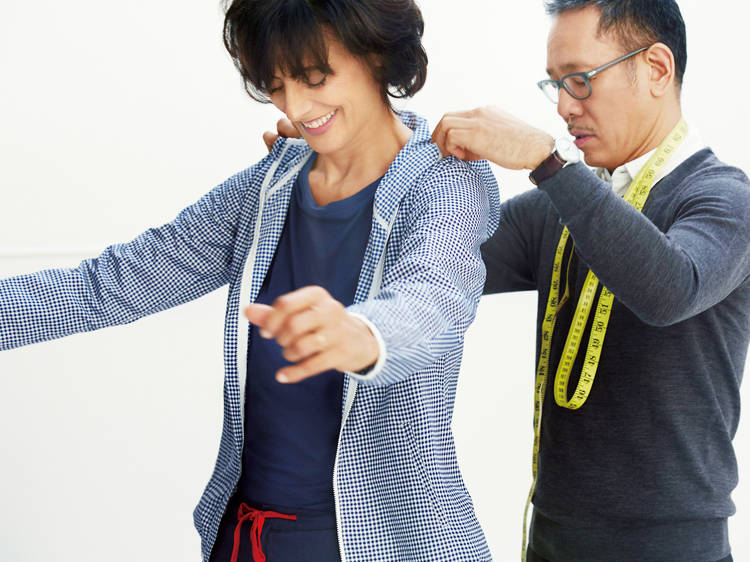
(611, 126)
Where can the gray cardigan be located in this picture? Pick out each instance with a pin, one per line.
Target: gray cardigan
(644, 470)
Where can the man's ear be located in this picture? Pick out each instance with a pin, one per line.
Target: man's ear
(661, 69)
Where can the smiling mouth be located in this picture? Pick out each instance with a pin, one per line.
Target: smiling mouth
(319, 122)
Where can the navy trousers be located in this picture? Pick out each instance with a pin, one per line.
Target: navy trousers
(312, 537)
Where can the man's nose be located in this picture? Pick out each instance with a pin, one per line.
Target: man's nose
(568, 106)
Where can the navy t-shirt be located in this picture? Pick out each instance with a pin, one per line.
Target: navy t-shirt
(291, 430)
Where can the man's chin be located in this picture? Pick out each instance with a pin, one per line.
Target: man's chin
(594, 160)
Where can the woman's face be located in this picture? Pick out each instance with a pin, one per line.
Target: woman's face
(334, 112)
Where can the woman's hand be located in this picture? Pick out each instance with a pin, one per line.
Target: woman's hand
(316, 333)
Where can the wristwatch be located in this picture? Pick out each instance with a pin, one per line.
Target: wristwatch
(564, 153)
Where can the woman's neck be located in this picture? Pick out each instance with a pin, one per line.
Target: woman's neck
(339, 175)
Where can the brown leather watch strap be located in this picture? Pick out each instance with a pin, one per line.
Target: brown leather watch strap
(547, 168)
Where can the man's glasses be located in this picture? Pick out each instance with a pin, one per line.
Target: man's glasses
(578, 84)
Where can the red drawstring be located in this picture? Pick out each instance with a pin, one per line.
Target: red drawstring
(258, 517)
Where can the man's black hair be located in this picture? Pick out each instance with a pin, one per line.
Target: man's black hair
(637, 23)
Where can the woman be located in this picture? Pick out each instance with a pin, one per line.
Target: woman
(359, 248)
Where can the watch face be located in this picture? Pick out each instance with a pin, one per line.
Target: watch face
(567, 150)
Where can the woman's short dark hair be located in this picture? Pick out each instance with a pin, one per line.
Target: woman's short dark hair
(263, 36)
(637, 23)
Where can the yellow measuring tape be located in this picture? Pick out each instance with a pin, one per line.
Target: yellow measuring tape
(636, 195)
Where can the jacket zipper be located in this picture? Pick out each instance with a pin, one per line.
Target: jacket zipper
(351, 392)
(265, 192)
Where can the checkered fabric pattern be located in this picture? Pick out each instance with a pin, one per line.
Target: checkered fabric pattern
(399, 492)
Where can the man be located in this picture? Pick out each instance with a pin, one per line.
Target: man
(639, 399)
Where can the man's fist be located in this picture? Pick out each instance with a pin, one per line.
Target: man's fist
(284, 128)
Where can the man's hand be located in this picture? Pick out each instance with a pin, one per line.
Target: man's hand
(492, 134)
(316, 333)
(284, 128)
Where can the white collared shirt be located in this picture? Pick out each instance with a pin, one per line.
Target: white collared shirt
(623, 175)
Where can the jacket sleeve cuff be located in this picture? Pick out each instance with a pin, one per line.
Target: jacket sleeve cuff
(373, 371)
(572, 189)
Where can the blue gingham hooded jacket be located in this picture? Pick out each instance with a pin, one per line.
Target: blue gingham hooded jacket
(399, 493)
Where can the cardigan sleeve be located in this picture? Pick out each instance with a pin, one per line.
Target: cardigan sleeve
(511, 254)
(429, 297)
(662, 277)
(163, 267)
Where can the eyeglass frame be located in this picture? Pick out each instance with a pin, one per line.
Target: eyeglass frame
(586, 76)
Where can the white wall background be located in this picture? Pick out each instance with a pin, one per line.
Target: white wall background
(113, 116)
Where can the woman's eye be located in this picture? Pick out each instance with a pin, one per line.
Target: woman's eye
(315, 78)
